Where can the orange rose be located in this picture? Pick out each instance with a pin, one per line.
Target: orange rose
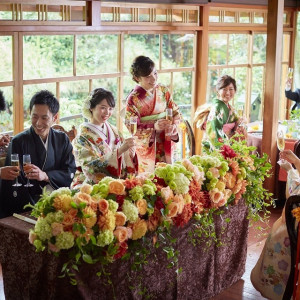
(120, 218)
(103, 205)
(57, 228)
(94, 204)
(68, 220)
(167, 194)
(116, 187)
(73, 212)
(82, 197)
(180, 201)
(86, 188)
(139, 229)
(215, 195)
(173, 209)
(141, 204)
(121, 234)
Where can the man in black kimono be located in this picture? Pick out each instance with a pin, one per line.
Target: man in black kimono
(52, 161)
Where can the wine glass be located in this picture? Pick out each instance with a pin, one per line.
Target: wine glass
(26, 161)
(169, 117)
(240, 110)
(280, 140)
(15, 162)
(133, 125)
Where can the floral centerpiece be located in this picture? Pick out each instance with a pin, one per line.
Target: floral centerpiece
(99, 223)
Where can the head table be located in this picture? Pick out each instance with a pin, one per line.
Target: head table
(206, 271)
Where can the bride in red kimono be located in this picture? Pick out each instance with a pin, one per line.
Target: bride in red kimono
(148, 102)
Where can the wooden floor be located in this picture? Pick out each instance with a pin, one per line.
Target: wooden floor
(241, 290)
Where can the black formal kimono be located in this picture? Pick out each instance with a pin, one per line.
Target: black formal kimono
(58, 162)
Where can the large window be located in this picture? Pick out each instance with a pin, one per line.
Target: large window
(243, 56)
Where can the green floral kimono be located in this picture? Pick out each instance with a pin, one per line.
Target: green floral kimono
(96, 154)
(221, 122)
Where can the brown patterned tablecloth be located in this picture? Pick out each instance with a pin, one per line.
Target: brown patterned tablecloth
(205, 271)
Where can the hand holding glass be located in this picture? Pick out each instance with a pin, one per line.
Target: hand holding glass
(26, 162)
(290, 73)
(15, 162)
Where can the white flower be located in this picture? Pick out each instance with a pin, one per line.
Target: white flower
(86, 108)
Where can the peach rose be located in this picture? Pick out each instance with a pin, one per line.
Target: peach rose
(116, 187)
(167, 194)
(121, 234)
(68, 220)
(129, 232)
(94, 204)
(141, 204)
(230, 180)
(82, 197)
(103, 205)
(215, 172)
(154, 220)
(57, 228)
(173, 209)
(52, 247)
(139, 229)
(180, 201)
(73, 212)
(32, 237)
(120, 218)
(215, 195)
(86, 188)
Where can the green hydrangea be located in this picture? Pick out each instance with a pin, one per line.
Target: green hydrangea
(38, 245)
(64, 240)
(182, 184)
(105, 238)
(149, 188)
(61, 191)
(130, 210)
(100, 190)
(55, 217)
(43, 230)
(113, 205)
(136, 193)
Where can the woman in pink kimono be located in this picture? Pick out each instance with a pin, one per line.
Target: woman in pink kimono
(148, 102)
(99, 148)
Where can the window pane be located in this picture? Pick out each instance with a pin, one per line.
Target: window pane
(177, 50)
(165, 79)
(238, 49)
(259, 18)
(6, 58)
(29, 12)
(140, 44)
(257, 93)
(214, 16)
(182, 93)
(229, 17)
(241, 81)
(286, 47)
(217, 49)
(227, 71)
(110, 84)
(259, 48)
(72, 95)
(212, 78)
(97, 54)
(244, 17)
(6, 116)
(47, 56)
(28, 92)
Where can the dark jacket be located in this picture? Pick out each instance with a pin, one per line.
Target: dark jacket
(58, 162)
(294, 96)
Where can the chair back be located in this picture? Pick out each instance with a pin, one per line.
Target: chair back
(293, 232)
(71, 133)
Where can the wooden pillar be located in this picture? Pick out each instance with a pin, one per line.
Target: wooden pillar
(272, 90)
(201, 69)
(93, 13)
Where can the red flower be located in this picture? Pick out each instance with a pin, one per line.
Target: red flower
(184, 217)
(131, 182)
(121, 250)
(159, 204)
(159, 181)
(220, 140)
(113, 171)
(227, 152)
(120, 201)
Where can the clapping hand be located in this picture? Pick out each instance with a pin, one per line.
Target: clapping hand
(129, 144)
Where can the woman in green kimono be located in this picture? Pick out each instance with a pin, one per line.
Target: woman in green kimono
(222, 121)
(99, 148)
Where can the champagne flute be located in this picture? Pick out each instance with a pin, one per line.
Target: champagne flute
(26, 161)
(290, 73)
(169, 117)
(280, 140)
(240, 110)
(15, 162)
(133, 125)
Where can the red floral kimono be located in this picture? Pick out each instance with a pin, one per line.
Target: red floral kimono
(152, 146)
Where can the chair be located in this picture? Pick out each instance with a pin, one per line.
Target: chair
(188, 135)
(294, 235)
(71, 133)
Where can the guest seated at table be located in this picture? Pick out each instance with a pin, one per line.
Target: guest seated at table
(271, 272)
(99, 147)
(294, 96)
(149, 102)
(223, 121)
(52, 162)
